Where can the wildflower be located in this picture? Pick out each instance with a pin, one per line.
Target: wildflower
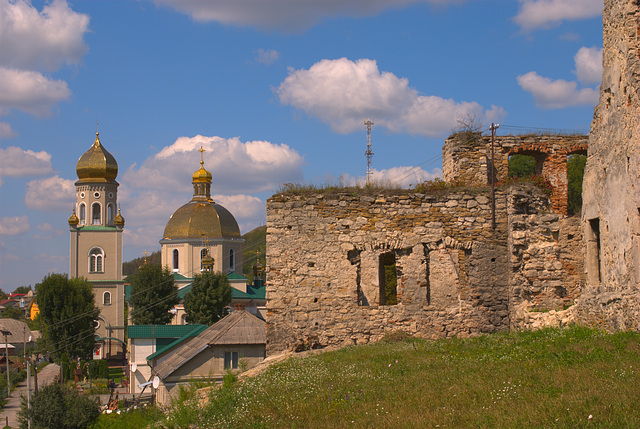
(590, 416)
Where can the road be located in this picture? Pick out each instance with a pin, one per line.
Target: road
(9, 413)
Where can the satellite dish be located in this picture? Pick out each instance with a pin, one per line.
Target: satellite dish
(156, 382)
(134, 367)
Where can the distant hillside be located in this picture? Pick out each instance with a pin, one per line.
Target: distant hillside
(255, 240)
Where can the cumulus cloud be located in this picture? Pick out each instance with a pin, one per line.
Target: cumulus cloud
(341, 92)
(556, 94)
(41, 40)
(589, 65)
(14, 225)
(546, 13)
(6, 132)
(399, 176)
(50, 194)
(30, 91)
(285, 15)
(17, 162)
(267, 56)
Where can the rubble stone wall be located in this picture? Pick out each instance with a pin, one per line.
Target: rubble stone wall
(611, 196)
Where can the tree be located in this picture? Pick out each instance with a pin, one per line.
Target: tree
(13, 313)
(22, 289)
(153, 294)
(209, 296)
(575, 173)
(67, 313)
(57, 407)
(522, 166)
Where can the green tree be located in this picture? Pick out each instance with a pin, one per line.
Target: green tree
(22, 289)
(575, 173)
(522, 166)
(153, 294)
(13, 313)
(58, 407)
(67, 313)
(209, 296)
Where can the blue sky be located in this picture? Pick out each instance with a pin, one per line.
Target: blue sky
(275, 91)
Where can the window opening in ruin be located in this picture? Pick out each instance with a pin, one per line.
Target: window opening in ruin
(575, 174)
(354, 259)
(388, 279)
(593, 251)
(522, 166)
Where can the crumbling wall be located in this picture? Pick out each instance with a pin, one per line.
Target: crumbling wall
(611, 187)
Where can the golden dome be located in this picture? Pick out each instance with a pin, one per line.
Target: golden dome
(202, 175)
(73, 219)
(119, 220)
(97, 165)
(198, 219)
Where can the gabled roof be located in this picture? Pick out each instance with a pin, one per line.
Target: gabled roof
(160, 331)
(239, 327)
(160, 351)
(20, 332)
(253, 292)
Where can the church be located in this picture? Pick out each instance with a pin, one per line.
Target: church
(200, 236)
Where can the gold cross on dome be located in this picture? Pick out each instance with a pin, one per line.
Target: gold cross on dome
(202, 151)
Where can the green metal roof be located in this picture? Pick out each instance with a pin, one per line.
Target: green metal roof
(160, 331)
(191, 334)
(253, 292)
(96, 228)
(236, 276)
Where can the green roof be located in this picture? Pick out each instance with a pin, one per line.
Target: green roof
(190, 334)
(253, 292)
(178, 276)
(236, 276)
(160, 331)
(96, 228)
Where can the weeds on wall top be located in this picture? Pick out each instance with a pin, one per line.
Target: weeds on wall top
(541, 182)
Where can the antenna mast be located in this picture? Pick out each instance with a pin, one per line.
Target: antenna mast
(368, 152)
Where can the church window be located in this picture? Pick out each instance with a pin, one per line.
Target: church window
(96, 260)
(232, 262)
(176, 255)
(82, 212)
(96, 194)
(95, 214)
(110, 212)
(106, 298)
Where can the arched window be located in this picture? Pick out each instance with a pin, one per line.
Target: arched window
(95, 214)
(106, 298)
(175, 259)
(96, 260)
(82, 212)
(110, 214)
(232, 261)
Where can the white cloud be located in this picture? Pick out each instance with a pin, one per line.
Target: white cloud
(30, 39)
(14, 225)
(589, 65)
(30, 91)
(45, 227)
(6, 132)
(556, 94)
(50, 194)
(285, 15)
(405, 176)
(242, 206)
(545, 13)
(267, 56)
(17, 162)
(342, 92)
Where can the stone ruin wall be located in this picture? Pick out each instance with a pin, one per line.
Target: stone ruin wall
(611, 207)
(456, 275)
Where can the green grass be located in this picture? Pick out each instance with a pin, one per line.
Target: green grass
(545, 379)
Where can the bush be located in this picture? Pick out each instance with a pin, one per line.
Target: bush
(57, 407)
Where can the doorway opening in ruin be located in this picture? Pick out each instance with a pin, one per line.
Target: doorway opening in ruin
(388, 279)
(575, 174)
(522, 166)
(593, 251)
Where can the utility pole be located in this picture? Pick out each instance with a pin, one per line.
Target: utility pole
(493, 129)
(6, 356)
(368, 152)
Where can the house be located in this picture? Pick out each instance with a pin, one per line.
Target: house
(236, 341)
(145, 340)
(19, 337)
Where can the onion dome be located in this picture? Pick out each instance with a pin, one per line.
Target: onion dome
(119, 220)
(258, 270)
(97, 165)
(202, 218)
(206, 263)
(202, 175)
(73, 219)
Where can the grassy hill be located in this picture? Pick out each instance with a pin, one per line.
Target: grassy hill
(556, 378)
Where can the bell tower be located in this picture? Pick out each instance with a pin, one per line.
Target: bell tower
(96, 244)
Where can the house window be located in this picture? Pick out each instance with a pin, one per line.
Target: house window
(175, 259)
(82, 211)
(232, 262)
(388, 279)
(96, 260)
(95, 214)
(106, 298)
(230, 360)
